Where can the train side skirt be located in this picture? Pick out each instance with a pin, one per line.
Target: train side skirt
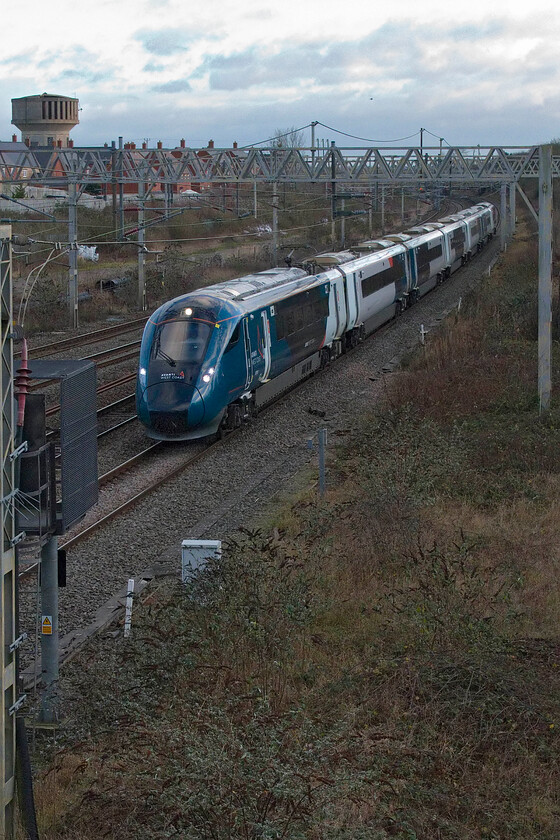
(271, 390)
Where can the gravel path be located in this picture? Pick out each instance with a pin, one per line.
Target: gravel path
(232, 487)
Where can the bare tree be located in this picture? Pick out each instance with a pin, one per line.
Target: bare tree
(288, 138)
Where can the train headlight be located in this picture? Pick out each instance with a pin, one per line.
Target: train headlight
(187, 312)
(208, 375)
(142, 375)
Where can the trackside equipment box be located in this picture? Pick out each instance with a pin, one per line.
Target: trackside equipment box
(195, 555)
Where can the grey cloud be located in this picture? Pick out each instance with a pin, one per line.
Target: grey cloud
(394, 51)
(176, 86)
(476, 32)
(84, 76)
(152, 67)
(164, 41)
(21, 58)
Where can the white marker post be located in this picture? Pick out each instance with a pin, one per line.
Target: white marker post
(128, 614)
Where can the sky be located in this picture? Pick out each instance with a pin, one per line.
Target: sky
(243, 70)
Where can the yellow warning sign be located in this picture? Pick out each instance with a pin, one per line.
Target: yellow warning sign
(46, 625)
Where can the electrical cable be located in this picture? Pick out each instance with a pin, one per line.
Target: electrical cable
(277, 136)
(367, 139)
(27, 291)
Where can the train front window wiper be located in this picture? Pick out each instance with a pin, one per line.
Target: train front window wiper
(159, 353)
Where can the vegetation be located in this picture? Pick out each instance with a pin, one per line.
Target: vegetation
(382, 663)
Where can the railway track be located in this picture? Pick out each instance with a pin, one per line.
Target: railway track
(85, 338)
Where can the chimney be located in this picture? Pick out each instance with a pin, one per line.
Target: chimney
(182, 143)
(133, 145)
(14, 138)
(105, 145)
(144, 145)
(210, 144)
(159, 144)
(235, 144)
(27, 142)
(70, 144)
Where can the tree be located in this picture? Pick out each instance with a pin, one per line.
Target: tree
(288, 138)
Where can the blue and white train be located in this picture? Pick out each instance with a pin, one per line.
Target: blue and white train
(211, 358)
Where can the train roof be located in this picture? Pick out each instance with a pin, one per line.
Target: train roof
(399, 238)
(374, 245)
(330, 258)
(427, 227)
(244, 287)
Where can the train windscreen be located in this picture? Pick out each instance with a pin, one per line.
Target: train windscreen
(181, 341)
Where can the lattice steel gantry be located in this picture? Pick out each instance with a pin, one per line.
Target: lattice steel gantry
(8, 674)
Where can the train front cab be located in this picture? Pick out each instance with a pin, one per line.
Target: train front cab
(175, 393)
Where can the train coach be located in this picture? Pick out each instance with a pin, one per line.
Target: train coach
(211, 358)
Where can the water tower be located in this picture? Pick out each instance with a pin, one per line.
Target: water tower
(45, 119)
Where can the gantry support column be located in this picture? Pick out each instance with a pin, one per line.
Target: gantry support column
(49, 634)
(8, 572)
(545, 276)
(274, 223)
(512, 192)
(503, 217)
(141, 248)
(73, 254)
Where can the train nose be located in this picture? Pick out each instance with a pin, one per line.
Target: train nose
(180, 407)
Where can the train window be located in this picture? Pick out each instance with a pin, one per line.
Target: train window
(181, 341)
(382, 278)
(425, 255)
(458, 240)
(234, 338)
(300, 311)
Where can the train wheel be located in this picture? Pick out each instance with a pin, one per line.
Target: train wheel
(235, 416)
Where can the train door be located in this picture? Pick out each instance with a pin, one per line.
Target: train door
(248, 356)
(351, 299)
(411, 276)
(265, 344)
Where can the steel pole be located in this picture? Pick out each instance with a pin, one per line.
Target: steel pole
(503, 217)
(322, 448)
(49, 629)
(141, 248)
(121, 191)
(114, 183)
(275, 223)
(545, 276)
(73, 254)
(512, 194)
(333, 194)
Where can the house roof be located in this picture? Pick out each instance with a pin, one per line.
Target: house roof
(16, 154)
